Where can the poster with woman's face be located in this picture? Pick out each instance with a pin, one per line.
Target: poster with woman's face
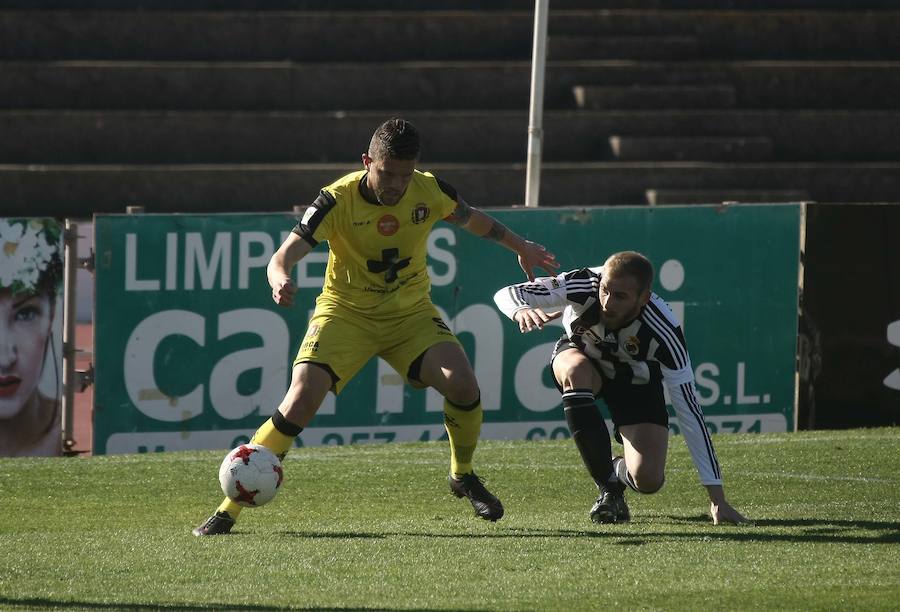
(31, 274)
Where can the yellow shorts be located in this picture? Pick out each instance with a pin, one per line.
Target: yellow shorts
(343, 341)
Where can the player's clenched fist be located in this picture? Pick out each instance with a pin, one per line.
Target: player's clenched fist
(283, 292)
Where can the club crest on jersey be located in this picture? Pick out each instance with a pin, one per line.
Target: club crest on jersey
(632, 345)
(388, 225)
(420, 213)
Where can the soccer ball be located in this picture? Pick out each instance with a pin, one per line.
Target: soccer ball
(250, 475)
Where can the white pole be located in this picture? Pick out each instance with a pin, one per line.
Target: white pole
(68, 353)
(536, 108)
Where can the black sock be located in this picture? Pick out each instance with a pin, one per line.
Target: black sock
(590, 434)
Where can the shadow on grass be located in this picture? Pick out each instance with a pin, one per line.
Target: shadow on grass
(804, 522)
(53, 604)
(506, 533)
(813, 530)
(614, 533)
(336, 535)
(634, 534)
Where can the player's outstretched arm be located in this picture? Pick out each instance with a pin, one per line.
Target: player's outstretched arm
(530, 254)
(292, 250)
(719, 508)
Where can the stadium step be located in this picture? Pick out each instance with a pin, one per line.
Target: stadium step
(659, 197)
(264, 36)
(262, 86)
(597, 97)
(440, 5)
(329, 33)
(709, 148)
(35, 190)
(777, 32)
(177, 137)
(563, 47)
(273, 86)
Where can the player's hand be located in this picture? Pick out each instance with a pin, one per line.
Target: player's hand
(533, 255)
(722, 512)
(533, 318)
(283, 292)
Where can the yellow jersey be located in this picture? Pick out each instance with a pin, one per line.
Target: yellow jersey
(377, 254)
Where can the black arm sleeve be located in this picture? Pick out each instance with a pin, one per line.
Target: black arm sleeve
(313, 216)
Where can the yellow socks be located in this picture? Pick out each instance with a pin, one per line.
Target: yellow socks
(271, 437)
(277, 434)
(463, 425)
(232, 508)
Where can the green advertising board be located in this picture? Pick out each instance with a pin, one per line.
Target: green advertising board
(190, 351)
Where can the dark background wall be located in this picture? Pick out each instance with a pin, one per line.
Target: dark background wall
(851, 293)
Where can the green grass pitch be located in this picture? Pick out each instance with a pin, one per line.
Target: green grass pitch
(375, 527)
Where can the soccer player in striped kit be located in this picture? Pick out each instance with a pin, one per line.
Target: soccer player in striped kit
(621, 343)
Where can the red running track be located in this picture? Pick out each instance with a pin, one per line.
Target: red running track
(83, 427)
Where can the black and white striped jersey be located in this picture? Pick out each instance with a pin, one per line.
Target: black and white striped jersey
(649, 350)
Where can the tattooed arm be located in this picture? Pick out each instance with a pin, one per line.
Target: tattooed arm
(481, 224)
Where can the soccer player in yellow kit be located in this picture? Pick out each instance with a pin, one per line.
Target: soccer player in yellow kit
(376, 301)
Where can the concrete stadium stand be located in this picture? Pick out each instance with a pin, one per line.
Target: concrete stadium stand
(70, 190)
(179, 137)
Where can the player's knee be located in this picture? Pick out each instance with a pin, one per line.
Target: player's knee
(574, 376)
(463, 390)
(647, 482)
(466, 400)
(573, 372)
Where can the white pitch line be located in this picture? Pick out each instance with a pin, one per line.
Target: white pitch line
(727, 439)
(777, 475)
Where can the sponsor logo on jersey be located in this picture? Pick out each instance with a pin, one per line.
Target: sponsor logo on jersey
(609, 341)
(632, 345)
(420, 213)
(388, 225)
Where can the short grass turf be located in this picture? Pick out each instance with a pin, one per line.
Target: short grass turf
(375, 527)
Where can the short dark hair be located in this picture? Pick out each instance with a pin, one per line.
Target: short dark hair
(395, 139)
(630, 263)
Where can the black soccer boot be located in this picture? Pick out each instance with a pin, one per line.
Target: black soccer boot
(471, 486)
(219, 523)
(610, 506)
